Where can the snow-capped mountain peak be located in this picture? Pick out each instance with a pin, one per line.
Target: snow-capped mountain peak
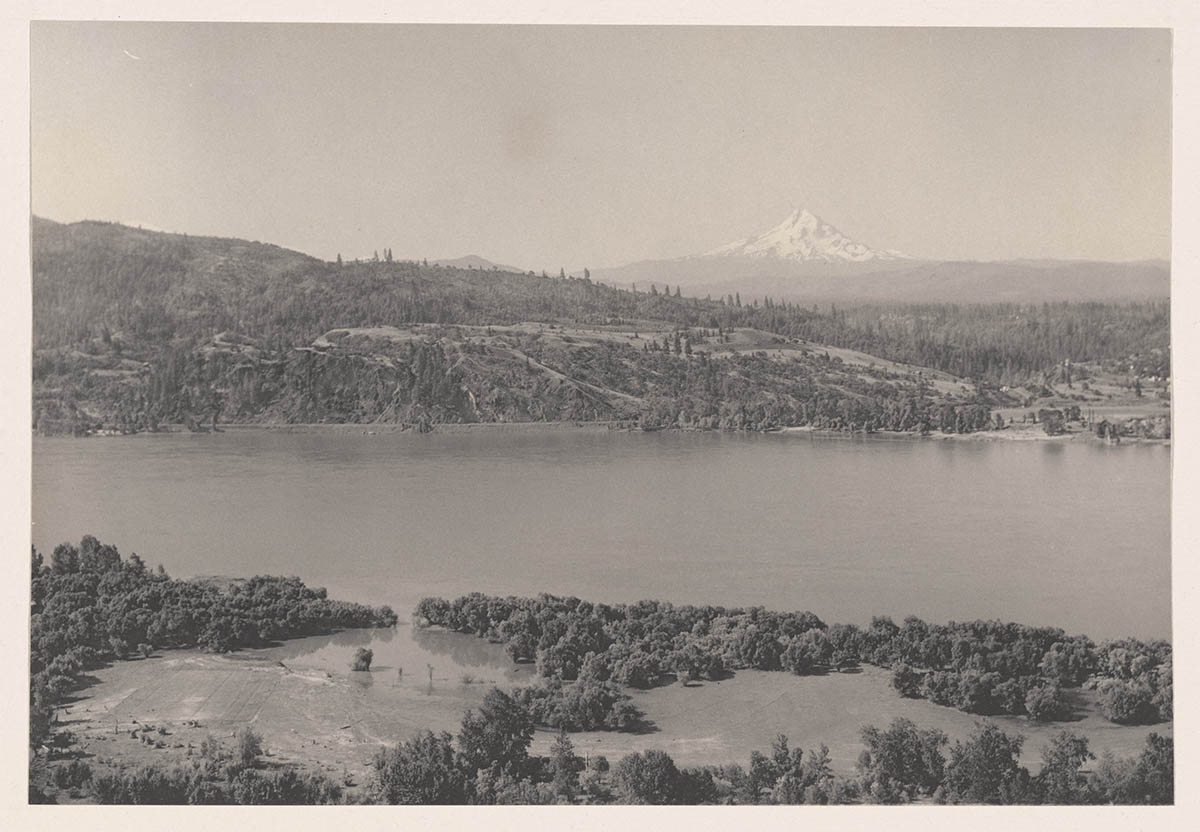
(804, 236)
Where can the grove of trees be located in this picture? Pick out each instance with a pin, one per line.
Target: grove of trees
(89, 606)
(980, 667)
(902, 764)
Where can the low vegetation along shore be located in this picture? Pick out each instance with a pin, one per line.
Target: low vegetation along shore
(594, 666)
(1142, 423)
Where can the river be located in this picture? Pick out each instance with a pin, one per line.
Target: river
(1070, 534)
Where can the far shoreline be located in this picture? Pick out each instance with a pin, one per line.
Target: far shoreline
(1031, 433)
(1012, 433)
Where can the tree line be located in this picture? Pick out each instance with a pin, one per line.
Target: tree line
(90, 606)
(488, 762)
(979, 667)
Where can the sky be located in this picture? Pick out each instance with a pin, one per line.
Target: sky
(548, 146)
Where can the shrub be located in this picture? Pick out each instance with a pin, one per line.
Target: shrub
(423, 770)
(362, 659)
(1163, 700)
(940, 687)
(1155, 770)
(1069, 663)
(696, 787)
(583, 705)
(907, 681)
(808, 652)
(646, 778)
(565, 765)
(984, 769)
(1045, 702)
(1010, 695)
(901, 762)
(249, 788)
(507, 790)
(1127, 702)
(249, 747)
(498, 736)
(210, 748)
(432, 612)
(1061, 780)
(73, 775)
(1148, 778)
(594, 784)
(977, 692)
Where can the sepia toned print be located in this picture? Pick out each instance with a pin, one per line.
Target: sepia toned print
(600, 415)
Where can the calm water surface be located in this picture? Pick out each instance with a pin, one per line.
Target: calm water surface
(1070, 534)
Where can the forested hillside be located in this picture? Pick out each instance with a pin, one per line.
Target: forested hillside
(136, 329)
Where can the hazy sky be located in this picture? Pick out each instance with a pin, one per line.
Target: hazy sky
(548, 146)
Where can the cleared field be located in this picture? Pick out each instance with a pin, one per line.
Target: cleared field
(212, 695)
(313, 711)
(300, 696)
(718, 722)
(636, 333)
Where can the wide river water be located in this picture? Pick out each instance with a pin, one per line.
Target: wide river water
(1070, 534)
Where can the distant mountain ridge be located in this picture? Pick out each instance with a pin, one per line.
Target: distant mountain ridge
(901, 281)
(806, 259)
(773, 264)
(474, 261)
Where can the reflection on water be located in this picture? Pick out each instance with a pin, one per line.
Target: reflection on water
(345, 638)
(428, 661)
(464, 652)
